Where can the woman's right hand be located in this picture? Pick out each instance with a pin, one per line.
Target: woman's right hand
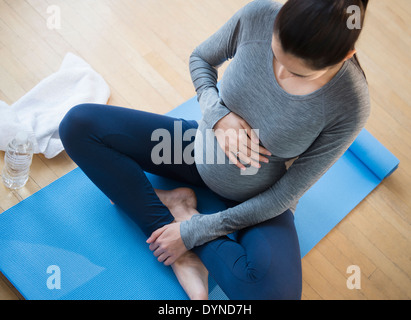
(234, 135)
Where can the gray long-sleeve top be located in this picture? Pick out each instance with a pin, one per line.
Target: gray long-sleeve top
(316, 128)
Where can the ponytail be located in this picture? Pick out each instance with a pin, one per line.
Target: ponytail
(356, 61)
(364, 4)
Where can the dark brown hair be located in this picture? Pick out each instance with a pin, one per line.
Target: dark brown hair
(317, 31)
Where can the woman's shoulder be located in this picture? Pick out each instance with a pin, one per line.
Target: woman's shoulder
(354, 83)
(349, 97)
(257, 19)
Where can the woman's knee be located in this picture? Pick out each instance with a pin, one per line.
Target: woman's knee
(76, 123)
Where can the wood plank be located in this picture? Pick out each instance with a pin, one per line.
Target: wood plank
(141, 48)
(364, 244)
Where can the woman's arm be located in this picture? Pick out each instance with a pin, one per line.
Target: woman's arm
(204, 61)
(203, 64)
(301, 175)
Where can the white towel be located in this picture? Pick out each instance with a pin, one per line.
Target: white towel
(40, 111)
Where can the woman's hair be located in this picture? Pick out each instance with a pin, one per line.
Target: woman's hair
(317, 30)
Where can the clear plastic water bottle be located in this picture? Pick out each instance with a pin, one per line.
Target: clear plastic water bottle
(17, 161)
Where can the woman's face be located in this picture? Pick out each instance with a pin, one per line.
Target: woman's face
(291, 66)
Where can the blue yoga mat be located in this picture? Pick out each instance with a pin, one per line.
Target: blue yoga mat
(70, 231)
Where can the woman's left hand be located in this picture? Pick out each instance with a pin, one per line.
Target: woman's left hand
(167, 244)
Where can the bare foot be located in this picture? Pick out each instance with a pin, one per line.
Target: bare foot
(182, 202)
(189, 270)
(192, 275)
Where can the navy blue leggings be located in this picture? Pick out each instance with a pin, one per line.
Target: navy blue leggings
(112, 145)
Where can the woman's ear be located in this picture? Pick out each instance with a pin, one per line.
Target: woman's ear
(350, 54)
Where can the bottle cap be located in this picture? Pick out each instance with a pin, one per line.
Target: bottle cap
(22, 137)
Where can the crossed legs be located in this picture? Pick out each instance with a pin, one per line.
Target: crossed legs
(113, 145)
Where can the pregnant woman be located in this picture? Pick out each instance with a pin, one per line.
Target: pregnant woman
(294, 89)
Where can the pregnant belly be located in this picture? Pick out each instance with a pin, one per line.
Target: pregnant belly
(226, 179)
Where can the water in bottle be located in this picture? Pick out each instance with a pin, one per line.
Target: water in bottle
(17, 161)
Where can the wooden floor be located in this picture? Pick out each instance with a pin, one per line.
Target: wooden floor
(142, 47)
